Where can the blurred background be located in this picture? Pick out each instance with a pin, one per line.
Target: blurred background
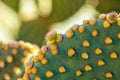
(30, 20)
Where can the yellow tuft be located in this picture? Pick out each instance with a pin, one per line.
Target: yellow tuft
(70, 52)
(113, 55)
(54, 52)
(59, 38)
(106, 24)
(108, 75)
(92, 22)
(14, 51)
(118, 22)
(40, 56)
(16, 70)
(85, 21)
(118, 35)
(9, 59)
(81, 29)
(2, 64)
(53, 46)
(23, 60)
(108, 40)
(61, 69)
(78, 73)
(44, 61)
(85, 43)
(74, 27)
(102, 16)
(84, 55)
(6, 76)
(37, 78)
(69, 33)
(100, 63)
(98, 51)
(49, 74)
(34, 70)
(88, 68)
(26, 53)
(94, 33)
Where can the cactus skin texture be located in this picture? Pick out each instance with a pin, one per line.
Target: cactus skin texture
(85, 52)
(12, 58)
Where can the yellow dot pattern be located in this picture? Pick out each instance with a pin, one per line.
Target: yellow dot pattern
(88, 68)
(108, 75)
(69, 33)
(44, 61)
(34, 70)
(2, 64)
(106, 24)
(118, 22)
(61, 69)
(71, 52)
(85, 43)
(85, 21)
(9, 59)
(14, 51)
(118, 35)
(81, 29)
(7, 76)
(94, 33)
(92, 22)
(78, 73)
(12, 59)
(108, 40)
(84, 55)
(100, 63)
(53, 48)
(37, 78)
(113, 55)
(49, 74)
(98, 51)
(16, 70)
(91, 51)
(59, 38)
(102, 16)
(74, 27)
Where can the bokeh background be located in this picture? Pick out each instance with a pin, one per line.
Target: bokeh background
(30, 20)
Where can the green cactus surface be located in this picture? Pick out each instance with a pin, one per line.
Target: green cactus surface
(90, 51)
(12, 58)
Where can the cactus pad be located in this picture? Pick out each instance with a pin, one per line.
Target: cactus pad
(90, 51)
(12, 58)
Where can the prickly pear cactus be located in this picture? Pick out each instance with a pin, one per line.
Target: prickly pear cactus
(90, 51)
(12, 58)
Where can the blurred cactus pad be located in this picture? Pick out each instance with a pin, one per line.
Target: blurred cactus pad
(85, 52)
(12, 59)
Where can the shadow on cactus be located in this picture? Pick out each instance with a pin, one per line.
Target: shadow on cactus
(85, 52)
(12, 58)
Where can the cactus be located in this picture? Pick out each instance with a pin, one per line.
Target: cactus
(85, 52)
(12, 58)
